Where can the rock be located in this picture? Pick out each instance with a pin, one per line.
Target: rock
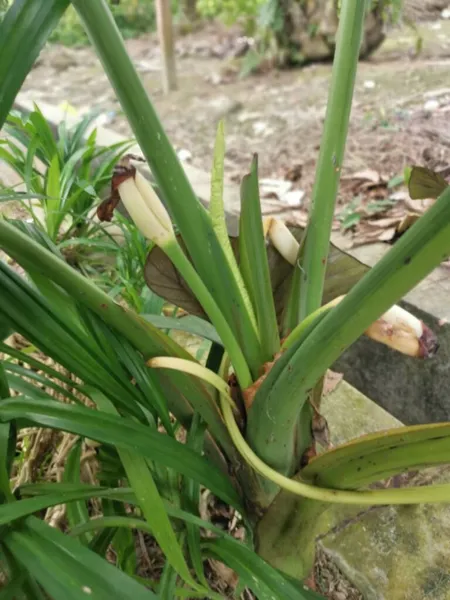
(396, 553)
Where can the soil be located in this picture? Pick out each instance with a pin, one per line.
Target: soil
(399, 117)
(399, 114)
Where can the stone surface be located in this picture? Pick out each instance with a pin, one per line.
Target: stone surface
(388, 553)
(395, 553)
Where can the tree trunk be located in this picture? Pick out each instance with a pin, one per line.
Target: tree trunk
(309, 29)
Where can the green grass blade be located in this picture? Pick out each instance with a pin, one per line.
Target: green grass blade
(23, 33)
(122, 433)
(190, 216)
(77, 512)
(265, 581)
(52, 206)
(66, 569)
(142, 335)
(7, 444)
(254, 264)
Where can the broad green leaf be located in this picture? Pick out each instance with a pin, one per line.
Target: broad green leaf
(254, 264)
(66, 569)
(23, 32)
(424, 183)
(122, 433)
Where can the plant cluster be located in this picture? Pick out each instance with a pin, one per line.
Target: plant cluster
(242, 424)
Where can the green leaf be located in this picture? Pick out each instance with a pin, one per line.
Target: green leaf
(424, 183)
(189, 215)
(45, 135)
(265, 581)
(23, 33)
(414, 256)
(77, 512)
(66, 569)
(122, 433)
(52, 190)
(190, 501)
(183, 393)
(254, 264)
(381, 455)
(7, 444)
(189, 324)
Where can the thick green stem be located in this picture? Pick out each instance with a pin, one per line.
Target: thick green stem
(201, 292)
(331, 155)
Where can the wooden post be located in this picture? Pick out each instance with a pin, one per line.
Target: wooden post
(166, 42)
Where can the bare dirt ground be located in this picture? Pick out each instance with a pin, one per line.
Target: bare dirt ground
(399, 117)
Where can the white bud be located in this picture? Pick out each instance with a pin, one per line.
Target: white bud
(146, 210)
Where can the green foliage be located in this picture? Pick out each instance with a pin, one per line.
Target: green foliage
(133, 17)
(65, 173)
(231, 11)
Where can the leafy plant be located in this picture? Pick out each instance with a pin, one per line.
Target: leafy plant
(277, 321)
(133, 17)
(63, 175)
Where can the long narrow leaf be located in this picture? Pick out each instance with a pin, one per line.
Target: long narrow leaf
(272, 426)
(122, 433)
(23, 33)
(66, 569)
(190, 216)
(142, 335)
(254, 264)
(77, 512)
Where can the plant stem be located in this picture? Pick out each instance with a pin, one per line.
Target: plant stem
(179, 259)
(331, 155)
